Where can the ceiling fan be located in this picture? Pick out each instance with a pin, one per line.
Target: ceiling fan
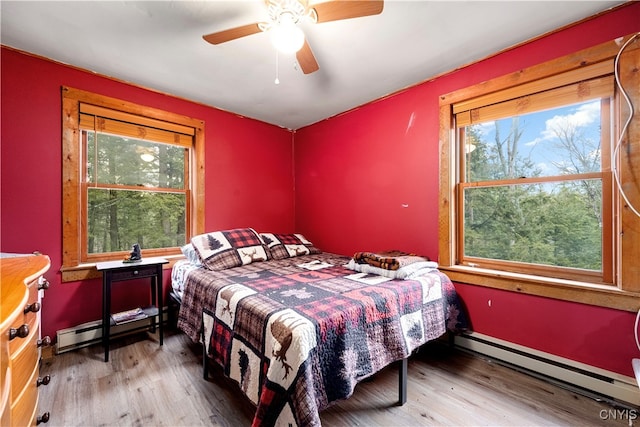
(284, 17)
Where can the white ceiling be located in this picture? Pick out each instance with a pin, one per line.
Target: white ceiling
(159, 45)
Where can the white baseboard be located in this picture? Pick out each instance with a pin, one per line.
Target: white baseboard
(91, 333)
(600, 381)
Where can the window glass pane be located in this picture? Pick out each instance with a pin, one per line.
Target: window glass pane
(119, 218)
(129, 161)
(558, 224)
(559, 141)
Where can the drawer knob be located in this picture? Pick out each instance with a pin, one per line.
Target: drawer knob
(44, 342)
(43, 380)
(34, 308)
(135, 272)
(21, 332)
(43, 283)
(44, 418)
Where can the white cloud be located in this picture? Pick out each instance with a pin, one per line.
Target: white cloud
(584, 116)
(485, 128)
(543, 167)
(533, 142)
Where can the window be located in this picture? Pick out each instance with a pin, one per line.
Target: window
(529, 196)
(130, 176)
(535, 185)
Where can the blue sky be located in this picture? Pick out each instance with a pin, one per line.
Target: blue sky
(539, 139)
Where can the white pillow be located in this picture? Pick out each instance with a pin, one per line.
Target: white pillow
(190, 253)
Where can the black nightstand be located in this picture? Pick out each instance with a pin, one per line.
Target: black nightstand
(115, 271)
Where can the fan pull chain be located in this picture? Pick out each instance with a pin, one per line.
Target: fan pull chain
(277, 81)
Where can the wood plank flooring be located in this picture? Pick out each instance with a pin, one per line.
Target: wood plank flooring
(144, 384)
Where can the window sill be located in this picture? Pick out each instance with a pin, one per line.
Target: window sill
(567, 290)
(88, 271)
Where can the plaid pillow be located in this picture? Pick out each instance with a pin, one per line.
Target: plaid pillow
(220, 250)
(283, 246)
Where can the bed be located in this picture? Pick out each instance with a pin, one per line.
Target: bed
(298, 328)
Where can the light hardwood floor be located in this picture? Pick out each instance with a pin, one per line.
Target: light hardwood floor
(144, 384)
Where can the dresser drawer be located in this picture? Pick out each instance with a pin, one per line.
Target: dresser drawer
(5, 398)
(23, 410)
(27, 317)
(24, 363)
(143, 271)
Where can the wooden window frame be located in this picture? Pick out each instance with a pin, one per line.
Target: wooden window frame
(590, 63)
(600, 88)
(75, 103)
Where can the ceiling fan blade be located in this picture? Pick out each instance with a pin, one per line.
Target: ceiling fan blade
(306, 59)
(232, 34)
(336, 10)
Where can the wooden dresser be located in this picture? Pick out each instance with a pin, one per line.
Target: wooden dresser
(21, 283)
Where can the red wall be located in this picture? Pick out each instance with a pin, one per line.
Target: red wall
(368, 180)
(364, 180)
(240, 190)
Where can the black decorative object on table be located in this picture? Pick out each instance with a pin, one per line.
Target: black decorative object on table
(135, 255)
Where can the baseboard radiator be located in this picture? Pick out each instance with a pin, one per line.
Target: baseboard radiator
(585, 377)
(91, 333)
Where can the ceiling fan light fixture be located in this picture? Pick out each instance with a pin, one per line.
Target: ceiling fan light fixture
(284, 16)
(286, 36)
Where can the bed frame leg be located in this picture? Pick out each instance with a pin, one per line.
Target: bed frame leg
(402, 385)
(205, 364)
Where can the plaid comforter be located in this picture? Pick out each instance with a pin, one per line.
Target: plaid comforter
(297, 340)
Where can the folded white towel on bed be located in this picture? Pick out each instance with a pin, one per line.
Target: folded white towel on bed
(407, 272)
